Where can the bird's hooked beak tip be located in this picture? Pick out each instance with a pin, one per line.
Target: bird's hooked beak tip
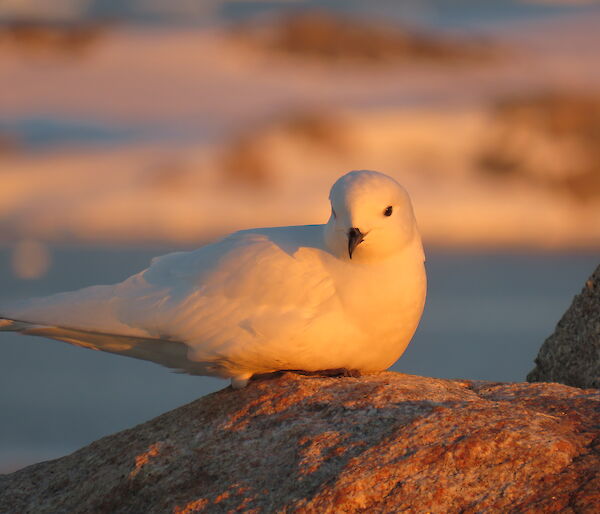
(355, 237)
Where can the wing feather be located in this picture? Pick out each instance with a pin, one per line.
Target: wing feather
(234, 302)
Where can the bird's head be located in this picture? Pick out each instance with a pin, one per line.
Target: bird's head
(371, 217)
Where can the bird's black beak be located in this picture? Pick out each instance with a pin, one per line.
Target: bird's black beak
(355, 237)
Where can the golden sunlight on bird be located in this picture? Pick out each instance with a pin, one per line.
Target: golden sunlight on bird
(347, 294)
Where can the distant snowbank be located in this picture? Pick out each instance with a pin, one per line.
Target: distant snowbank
(271, 134)
(281, 175)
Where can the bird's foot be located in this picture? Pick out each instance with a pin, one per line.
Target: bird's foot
(240, 381)
(336, 372)
(333, 373)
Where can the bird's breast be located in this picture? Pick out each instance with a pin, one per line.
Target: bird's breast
(384, 303)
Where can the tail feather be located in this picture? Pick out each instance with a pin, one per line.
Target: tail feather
(14, 325)
(7, 325)
(172, 354)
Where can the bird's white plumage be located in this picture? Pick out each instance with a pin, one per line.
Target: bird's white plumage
(264, 299)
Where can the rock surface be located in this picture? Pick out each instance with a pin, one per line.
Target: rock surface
(379, 443)
(572, 354)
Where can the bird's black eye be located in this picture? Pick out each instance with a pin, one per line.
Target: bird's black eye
(388, 211)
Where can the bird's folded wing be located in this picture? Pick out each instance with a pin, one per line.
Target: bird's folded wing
(240, 298)
(245, 297)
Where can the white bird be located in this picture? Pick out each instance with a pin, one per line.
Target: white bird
(346, 294)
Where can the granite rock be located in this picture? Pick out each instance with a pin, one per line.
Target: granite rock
(385, 442)
(571, 355)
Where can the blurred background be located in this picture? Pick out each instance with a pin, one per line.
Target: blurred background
(133, 128)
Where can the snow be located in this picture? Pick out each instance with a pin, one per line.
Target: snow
(421, 123)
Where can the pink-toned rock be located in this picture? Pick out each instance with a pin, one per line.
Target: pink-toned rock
(379, 443)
